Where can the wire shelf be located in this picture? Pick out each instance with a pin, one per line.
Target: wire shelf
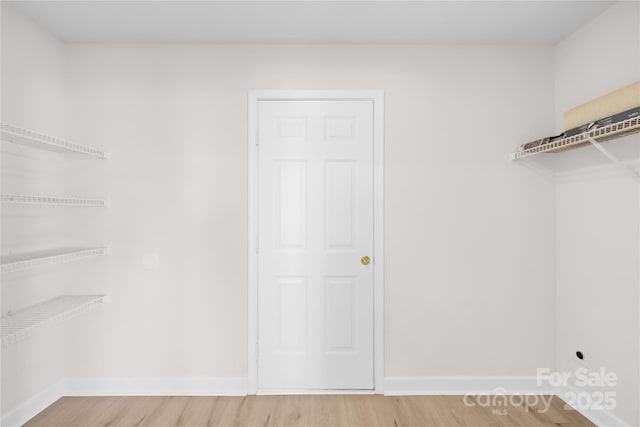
(25, 199)
(31, 260)
(17, 326)
(18, 135)
(605, 133)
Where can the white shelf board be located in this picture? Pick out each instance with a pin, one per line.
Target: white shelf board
(26, 199)
(28, 261)
(18, 135)
(605, 133)
(21, 324)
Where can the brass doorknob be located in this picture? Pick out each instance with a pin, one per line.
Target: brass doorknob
(365, 260)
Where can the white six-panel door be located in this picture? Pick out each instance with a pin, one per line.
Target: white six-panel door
(315, 223)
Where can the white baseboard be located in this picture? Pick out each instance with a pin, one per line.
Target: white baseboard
(190, 386)
(237, 386)
(598, 417)
(33, 406)
(461, 385)
(604, 418)
(310, 392)
(196, 386)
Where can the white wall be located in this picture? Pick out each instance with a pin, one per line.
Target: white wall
(457, 257)
(598, 215)
(463, 224)
(33, 96)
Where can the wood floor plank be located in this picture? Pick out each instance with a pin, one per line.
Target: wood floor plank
(307, 411)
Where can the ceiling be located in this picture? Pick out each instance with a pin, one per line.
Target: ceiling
(312, 22)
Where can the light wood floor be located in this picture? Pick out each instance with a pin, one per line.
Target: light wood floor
(307, 411)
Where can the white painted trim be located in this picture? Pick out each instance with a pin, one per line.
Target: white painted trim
(461, 385)
(33, 406)
(252, 255)
(195, 386)
(237, 386)
(377, 96)
(189, 386)
(263, 392)
(503, 385)
(598, 417)
(378, 241)
(603, 418)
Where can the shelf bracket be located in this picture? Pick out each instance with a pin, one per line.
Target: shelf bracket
(614, 159)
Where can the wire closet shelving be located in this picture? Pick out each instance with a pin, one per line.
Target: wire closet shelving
(23, 323)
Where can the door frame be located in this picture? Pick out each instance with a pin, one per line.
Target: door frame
(377, 96)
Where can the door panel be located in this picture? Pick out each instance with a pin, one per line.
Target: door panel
(292, 313)
(339, 205)
(340, 311)
(315, 204)
(291, 194)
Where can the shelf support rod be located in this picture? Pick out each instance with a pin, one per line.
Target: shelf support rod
(614, 159)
